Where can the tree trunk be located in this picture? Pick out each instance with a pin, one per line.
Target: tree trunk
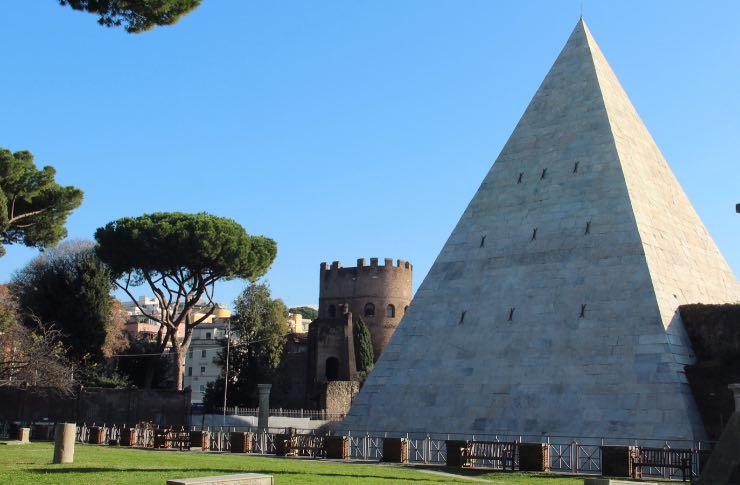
(179, 359)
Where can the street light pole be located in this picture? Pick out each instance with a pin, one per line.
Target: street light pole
(226, 375)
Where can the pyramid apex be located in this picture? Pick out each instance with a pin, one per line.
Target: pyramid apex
(581, 29)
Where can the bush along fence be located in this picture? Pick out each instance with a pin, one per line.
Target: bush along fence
(627, 457)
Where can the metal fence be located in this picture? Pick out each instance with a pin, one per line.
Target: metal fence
(319, 414)
(580, 456)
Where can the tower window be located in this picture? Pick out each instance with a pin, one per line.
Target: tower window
(369, 310)
(332, 311)
(390, 311)
(332, 369)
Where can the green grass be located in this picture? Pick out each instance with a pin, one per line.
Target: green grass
(101, 465)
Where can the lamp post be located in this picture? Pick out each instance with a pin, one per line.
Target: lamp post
(226, 375)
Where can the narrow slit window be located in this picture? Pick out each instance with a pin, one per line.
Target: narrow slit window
(482, 241)
(534, 234)
(519, 180)
(575, 167)
(588, 227)
(583, 311)
(511, 313)
(544, 172)
(462, 317)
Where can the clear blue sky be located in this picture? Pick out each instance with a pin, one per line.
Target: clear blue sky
(346, 129)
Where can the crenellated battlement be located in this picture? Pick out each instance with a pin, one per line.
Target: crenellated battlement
(361, 264)
(379, 293)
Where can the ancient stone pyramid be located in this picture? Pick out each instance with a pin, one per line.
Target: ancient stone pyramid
(552, 308)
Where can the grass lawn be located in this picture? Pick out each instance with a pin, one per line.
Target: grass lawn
(99, 465)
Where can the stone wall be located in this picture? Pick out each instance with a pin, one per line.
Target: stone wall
(98, 405)
(338, 396)
(289, 388)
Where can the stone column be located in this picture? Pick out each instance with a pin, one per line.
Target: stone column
(24, 435)
(263, 419)
(264, 412)
(64, 442)
(735, 388)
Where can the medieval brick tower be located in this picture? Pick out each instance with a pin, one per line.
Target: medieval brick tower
(378, 294)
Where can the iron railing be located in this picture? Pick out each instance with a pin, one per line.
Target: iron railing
(580, 456)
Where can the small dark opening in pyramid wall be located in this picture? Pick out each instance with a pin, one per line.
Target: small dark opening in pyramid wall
(575, 168)
(588, 228)
(534, 234)
(482, 241)
(544, 172)
(583, 311)
(511, 314)
(519, 180)
(462, 317)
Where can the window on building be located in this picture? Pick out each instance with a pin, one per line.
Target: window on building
(202, 369)
(190, 371)
(190, 354)
(332, 369)
(208, 335)
(332, 311)
(405, 309)
(390, 311)
(202, 388)
(369, 310)
(203, 353)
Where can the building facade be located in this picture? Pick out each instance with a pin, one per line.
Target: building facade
(201, 365)
(200, 361)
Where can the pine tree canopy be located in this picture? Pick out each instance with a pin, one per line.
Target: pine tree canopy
(181, 257)
(33, 207)
(135, 16)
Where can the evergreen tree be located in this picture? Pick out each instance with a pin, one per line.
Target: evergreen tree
(364, 354)
(135, 15)
(33, 207)
(180, 257)
(260, 327)
(69, 287)
(305, 312)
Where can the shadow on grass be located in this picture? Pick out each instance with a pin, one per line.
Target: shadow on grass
(44, 471)
(154, 470)
(493, 473)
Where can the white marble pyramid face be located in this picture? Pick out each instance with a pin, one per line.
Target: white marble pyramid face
(552, 308)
